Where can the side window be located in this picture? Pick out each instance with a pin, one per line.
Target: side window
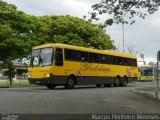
(102, 58)
(70, 54)
(82, 56)
(93, 57)
(119, 60)
(112, 59)
(133, 62)
(126, 61)
(59, 57)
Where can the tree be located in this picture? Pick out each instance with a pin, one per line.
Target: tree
(70, 30)
(19, 32)
(15, 30)
(132, 49)
(120, 8)
(76, 31)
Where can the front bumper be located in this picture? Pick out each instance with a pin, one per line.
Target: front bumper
(45, 81)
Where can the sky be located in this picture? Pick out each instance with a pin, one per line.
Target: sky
(144, 34)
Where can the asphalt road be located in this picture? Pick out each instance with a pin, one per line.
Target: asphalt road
(81, 100)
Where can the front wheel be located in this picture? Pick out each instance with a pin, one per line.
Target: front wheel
(51, 86)
(117, 82)
(70, 83)
(124, 81)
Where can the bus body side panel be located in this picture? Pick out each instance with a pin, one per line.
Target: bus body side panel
(85, 73)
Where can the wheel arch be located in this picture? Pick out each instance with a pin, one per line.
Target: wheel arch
(117, 81)
(119, 76)
(126, 78)
(74, 77)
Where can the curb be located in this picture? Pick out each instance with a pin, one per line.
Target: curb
(4, 86)
(151, 94)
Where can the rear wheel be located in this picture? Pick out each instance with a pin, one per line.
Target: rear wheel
(124, 81)
(117, 81)
(70, 83)
(51, 86)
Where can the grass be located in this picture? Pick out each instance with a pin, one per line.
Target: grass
(148, 89)
(18, 83)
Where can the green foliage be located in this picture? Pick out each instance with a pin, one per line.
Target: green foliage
(120, 8)
(17, 83)
(15, 33)
(19, 32)
(148, 89)
(75, 31)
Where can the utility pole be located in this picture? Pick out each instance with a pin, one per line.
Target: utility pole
(158, 59)
(123, 35)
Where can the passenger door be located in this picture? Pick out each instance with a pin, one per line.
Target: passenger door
(59, 57)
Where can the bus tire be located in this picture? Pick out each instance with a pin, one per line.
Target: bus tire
(98, 85)
(51, 86)
(70, 83)
(117, 81)
(124, 81)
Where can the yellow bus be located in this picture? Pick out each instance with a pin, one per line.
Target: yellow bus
(60, 64)
(146, 73)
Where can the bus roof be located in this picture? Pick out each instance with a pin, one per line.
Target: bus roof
(85, 49)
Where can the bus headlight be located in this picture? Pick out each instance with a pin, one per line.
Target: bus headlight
(47, 75)
(29, 76)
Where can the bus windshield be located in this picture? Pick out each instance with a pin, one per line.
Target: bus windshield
(42, 57)
(147, 72)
